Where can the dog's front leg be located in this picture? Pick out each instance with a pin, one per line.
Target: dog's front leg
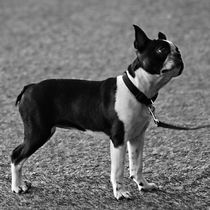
(117, 171)
(135, 151)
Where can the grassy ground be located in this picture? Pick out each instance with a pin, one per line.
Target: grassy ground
(94, 39)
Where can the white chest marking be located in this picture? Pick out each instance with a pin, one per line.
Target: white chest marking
(134, 115)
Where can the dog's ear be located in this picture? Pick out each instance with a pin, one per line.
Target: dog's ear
(141, 39)
(162, 36)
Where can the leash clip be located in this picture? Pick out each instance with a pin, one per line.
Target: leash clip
(151, 109)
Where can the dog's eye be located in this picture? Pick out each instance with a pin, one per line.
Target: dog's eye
(159, 51)
(162, 51)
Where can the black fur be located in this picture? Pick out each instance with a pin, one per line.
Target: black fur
(162, 36)
(151, 60)
(141, 39)
(21, 94)
(66, 103)
(134, 66)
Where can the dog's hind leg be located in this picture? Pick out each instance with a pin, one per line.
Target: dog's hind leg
(135, 152)
(34, 139)
(18, 185)
(117, 171)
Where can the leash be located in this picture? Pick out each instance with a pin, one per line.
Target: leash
(159, 123)
(140, 97)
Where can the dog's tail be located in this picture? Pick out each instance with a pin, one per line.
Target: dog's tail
(21, 93)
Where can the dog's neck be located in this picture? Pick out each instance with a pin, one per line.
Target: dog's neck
(148, 83)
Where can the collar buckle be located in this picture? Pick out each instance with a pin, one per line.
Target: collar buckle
(151, 109)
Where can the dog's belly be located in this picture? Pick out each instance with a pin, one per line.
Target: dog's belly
(134, 115)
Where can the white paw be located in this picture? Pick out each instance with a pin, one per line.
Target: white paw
(16, 189)
(22, 188)
(122, 193)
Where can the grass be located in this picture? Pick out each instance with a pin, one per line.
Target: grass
(94, 39)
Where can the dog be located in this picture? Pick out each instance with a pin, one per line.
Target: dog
(107, 106)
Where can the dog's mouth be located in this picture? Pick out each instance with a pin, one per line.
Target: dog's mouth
(175, 67)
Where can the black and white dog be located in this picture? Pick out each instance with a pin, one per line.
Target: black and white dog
(108, 106)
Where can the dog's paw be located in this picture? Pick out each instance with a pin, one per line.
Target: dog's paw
(121, 194)
(22, 188)
(148, 186)
(143, 185)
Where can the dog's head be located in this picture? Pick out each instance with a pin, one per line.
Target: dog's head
(157, 57)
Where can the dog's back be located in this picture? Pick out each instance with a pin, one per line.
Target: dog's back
(67, 103)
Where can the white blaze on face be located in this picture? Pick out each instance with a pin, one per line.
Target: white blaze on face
(173, 47)
(169, 63)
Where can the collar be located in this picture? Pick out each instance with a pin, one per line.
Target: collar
(140, 97)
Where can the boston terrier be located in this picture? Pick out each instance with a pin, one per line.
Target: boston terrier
(108, 106)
